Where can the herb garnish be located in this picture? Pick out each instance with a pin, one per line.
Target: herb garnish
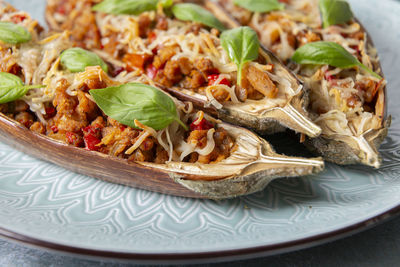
(77, 59)
(11, 33)
(335, 12)
(328, 53)
(242, 46)
(196, 13)
(12, 87)
(127, 7)
(134, 101)
(260, 5)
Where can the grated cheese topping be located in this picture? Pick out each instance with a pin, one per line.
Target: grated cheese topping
(335, 93)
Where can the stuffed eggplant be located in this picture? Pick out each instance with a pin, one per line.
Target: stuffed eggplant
(123, 129)
(332, 53)
(182, 49)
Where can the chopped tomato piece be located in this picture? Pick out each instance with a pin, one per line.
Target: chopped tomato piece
(214, 77)
(203, 125)
(329, 77)
(50, 112)
(61, 10)
(152, 36)
(72, 138)
(91, 142)
(94, 130)
(151, 71)
(54, 129)
(116, 70)
(92, 136)
(18, 18)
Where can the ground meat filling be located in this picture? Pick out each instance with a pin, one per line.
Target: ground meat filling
(76, 17)
(159, 64)
(77, 121)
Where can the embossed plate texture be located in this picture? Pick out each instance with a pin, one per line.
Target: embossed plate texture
(44, 202)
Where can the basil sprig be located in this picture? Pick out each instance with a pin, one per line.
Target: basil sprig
(242, 46)
(335, 12)
(11, 33)
(328, 53)
(142, 102)
(192, 12)
(12, 87)
(260, 5)
(77, 59)
(127, 7)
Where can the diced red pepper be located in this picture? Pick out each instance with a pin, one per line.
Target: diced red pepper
(151, 71)
(330, 78)
(18, 18)
(203, 125)
(91, 130)
(50, 112)
(54, 129)
(92, 136)
(213, 77)
(61, 8)
(152, 36)
(91, 142)
(213, 71)
(116, 70)
(71, 137)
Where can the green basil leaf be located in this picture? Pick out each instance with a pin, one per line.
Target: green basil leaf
(77, 59)
(12, 87)
(335, 12)
(328, 53)
(166, 3)
(260, 5)
(142, 102)
(11, 33)
(196, 13)
(125, 7)
(242, 46)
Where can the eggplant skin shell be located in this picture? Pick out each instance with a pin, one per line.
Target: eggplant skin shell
(340, 152)
(241, 185)
(261, 126)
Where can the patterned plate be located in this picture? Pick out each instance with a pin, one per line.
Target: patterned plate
(46, 205)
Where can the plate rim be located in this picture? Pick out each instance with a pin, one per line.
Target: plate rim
(207, 256)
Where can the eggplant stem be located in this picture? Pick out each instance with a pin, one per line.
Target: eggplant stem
(306, 125)
(301, 162)
(369, 155)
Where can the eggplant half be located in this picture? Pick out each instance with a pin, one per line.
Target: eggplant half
(185, 58)
(244, 172)
(61, 119)
(348, 104)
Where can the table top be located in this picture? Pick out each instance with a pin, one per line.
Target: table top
(378, 246)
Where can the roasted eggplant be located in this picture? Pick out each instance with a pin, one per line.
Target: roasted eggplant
(188, 60)
(123, 129)
(348, 103)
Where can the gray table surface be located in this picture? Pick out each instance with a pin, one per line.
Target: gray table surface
(379, 246)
